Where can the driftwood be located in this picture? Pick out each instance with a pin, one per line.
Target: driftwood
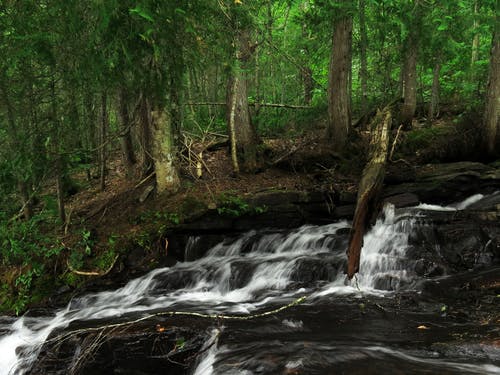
(369, 187)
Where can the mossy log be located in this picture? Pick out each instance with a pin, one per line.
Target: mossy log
(370, 186)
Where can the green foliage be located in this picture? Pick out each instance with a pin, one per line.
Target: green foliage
(231, 205)
(87, 241)
(157, 217)
(22, 241)
(422, 138)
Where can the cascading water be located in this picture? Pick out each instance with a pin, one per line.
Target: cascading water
(238, 276)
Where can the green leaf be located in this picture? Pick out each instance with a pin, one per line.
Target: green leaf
(141, 13)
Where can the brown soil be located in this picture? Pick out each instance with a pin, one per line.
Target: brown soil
(112, 212)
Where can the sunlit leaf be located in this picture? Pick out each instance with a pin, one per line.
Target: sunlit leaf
(141, 13)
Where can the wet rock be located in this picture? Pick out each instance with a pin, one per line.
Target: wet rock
(241, 274)
(447, 183)
(402, 200)
(426, 268)
(157, 347)
(310, 270)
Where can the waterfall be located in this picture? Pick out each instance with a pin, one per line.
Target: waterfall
(236, 276)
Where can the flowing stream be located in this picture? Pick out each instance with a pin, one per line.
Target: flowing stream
(332, 332)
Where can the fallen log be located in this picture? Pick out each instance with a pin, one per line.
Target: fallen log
(369, 186)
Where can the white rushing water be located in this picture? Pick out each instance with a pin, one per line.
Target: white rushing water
(237, 276)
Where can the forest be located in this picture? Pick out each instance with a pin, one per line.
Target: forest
(124, 122)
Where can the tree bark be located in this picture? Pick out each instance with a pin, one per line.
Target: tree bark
(369, 187)
(102, 141)
(60, 190)
(410, 79)
(164, 152)
(339, 102)
(434, 102)
(492, 109)
(307, 79)
(127, 148)
(363, 72)
(15, 143)
(244, 139)
(145, 129)
(475, 39)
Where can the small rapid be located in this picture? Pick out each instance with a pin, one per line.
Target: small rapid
(258, 270)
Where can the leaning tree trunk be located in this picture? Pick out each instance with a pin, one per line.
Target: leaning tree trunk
(164, 152)
(492, 109)
(126, 144)
(243, 135)
(410, 80)
(369, 187)
(339, 101)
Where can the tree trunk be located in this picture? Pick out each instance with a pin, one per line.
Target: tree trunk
(492, 110)
(176, 109)
(308, 82)
(126, 144)
(102, 141)
(410, 79)
(434, 102)
(363, 72)
(369, 187)
(164, 152)
(339, 102)
(146, 144)
(244, 139)
(16, 144)
(60, 190)
(257, 82)
(475, 39)
(26, 200)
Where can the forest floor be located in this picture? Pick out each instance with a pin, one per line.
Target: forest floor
(299, 164)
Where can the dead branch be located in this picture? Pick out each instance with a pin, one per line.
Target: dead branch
(369, 187)
(93, 273)
(286, 155)
(272, 105)
(395, 142)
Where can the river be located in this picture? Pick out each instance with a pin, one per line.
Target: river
(394, 318)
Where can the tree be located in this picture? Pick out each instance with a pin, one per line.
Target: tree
(242, 132)
(339, 80)
(492, 110)
(363, 72)
(410, 56)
